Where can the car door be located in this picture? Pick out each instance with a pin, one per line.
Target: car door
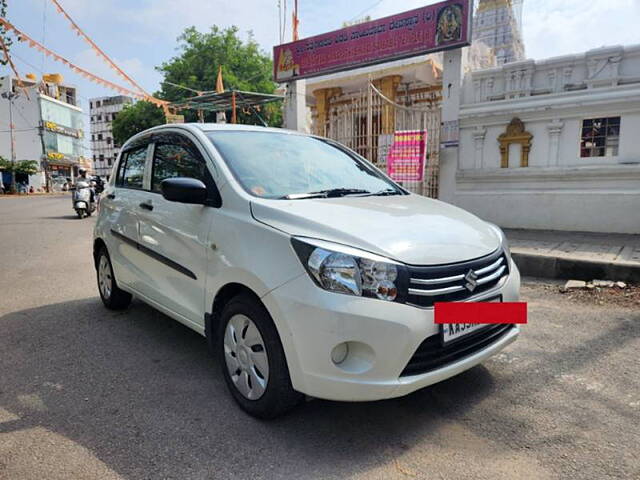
(174, 235)
(121, 204)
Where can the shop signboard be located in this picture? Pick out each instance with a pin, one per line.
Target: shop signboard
(171, 118)
(56, 128)
(434, 28)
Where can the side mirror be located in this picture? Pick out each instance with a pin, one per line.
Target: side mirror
(184, 190)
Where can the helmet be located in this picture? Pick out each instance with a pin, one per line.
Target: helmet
(81, 171)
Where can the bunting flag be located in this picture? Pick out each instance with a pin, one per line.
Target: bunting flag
(22, 37)
(97, 50)
(219, 84)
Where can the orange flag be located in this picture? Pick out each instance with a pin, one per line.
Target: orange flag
(219, 84)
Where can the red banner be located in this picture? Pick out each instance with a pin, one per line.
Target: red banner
(428, 29)
(480, 312)
(406, 157)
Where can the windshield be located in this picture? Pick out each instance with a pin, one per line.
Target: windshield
(282, 165)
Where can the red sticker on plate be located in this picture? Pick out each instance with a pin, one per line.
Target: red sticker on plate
(480, 312)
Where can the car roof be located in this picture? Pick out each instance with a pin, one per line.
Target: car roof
(208, 127)
(212, 127)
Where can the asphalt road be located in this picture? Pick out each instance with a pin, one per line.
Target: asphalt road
(88, 393)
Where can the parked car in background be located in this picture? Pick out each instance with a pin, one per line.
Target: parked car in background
(307, 269)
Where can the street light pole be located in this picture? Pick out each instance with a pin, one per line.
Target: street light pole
(10, 96)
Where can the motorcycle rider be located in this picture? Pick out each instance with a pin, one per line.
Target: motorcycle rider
(99, 184)
(82, 177)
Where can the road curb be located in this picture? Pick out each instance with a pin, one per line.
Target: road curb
(546, 266)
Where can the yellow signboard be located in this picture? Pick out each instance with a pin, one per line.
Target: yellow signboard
(171, 118)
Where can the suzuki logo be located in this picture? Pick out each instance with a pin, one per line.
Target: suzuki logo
(471, 279)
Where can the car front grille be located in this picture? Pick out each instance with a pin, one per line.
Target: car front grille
(431, 354)
(457, 281)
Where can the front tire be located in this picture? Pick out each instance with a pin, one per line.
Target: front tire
(112, 297)
(253, 361)
(80, 213)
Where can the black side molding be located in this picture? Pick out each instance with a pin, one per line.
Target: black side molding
(155, 255)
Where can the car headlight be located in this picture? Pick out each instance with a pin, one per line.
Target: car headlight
(342, 269)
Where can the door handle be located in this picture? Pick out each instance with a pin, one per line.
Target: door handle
(111, 196)
(146, 205)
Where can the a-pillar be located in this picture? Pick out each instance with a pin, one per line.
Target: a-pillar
(323, 101)
(451, 86)
(388, 86)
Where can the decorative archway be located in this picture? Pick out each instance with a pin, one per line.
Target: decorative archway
(515, 133)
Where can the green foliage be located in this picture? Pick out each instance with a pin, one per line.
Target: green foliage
(244, 67)
(27, 167)
(135, 119)
(3, 32)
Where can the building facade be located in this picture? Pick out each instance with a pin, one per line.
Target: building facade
(552, 144)
(498, 25)
(47, 128)
(104, 150)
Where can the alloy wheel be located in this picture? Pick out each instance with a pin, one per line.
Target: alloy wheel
(246, 357)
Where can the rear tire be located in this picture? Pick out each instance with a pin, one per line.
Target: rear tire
(252, 359)
(112, 297)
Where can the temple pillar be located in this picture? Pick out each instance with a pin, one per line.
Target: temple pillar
(388, 86)
(323, 98)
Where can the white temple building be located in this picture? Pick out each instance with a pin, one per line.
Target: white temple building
(498, 25)
(552, 144)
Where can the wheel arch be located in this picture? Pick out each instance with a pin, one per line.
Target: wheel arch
(98, 244)
(222, 297)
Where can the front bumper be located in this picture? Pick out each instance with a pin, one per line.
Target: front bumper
(382, 337)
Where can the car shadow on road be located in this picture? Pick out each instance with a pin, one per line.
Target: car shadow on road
(139, 389)
(61, 217)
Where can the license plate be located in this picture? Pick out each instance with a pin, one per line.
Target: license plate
(451, 332)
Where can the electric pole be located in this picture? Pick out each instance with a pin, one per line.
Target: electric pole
(10, 96)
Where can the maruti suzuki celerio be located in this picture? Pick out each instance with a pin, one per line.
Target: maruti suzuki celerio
(306, 268)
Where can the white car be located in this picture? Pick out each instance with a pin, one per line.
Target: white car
(307, 269)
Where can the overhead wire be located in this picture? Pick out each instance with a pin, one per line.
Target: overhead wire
(371, 7)
(44, 28)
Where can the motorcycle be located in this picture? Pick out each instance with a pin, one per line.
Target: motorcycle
(83, 199)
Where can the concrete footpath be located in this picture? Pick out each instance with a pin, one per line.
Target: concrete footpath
(576, 255)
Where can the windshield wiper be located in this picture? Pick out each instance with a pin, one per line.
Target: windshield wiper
(332, 192)
(385, 192)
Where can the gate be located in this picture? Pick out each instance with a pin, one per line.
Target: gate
(365, 122)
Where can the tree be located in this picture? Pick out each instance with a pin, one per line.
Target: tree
(26, 167)
(244, 67)
(134, 119)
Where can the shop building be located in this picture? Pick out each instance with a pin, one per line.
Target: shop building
(104, 150)
(47, 128)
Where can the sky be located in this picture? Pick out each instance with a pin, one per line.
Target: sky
(141, 34)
